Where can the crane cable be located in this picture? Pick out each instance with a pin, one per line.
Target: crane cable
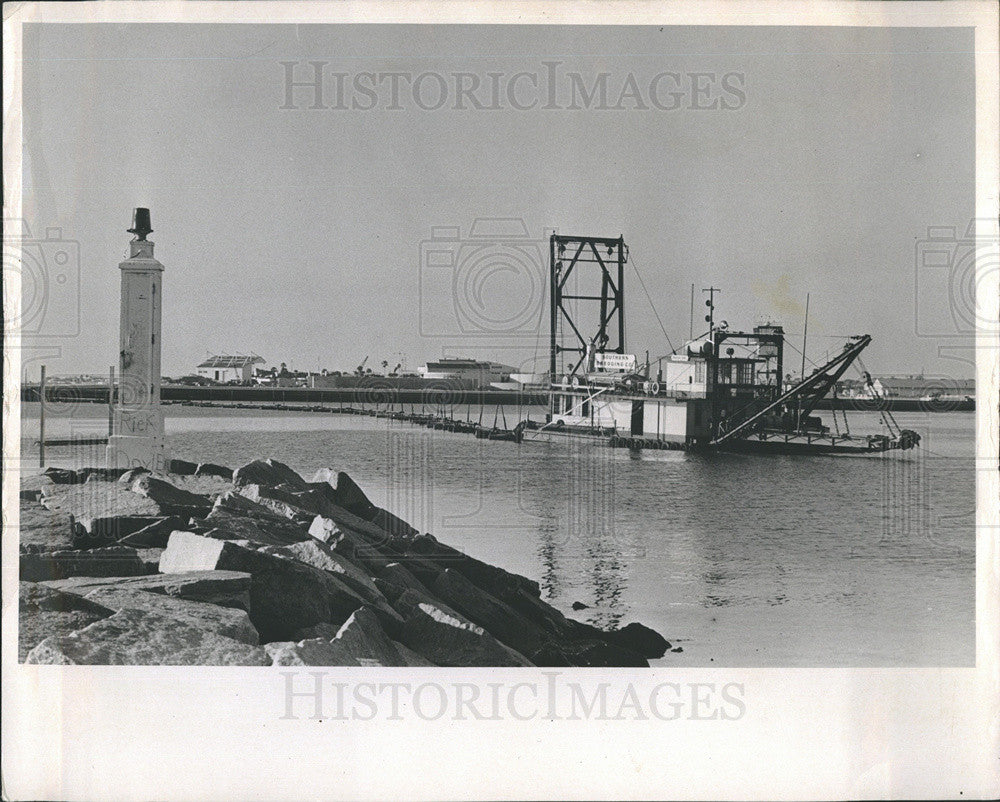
(887, 417)
(649, 298)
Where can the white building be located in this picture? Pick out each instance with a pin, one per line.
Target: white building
(226, 368)
(482, 373)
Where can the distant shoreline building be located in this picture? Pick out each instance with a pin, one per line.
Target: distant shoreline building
(911, 387)
(482, 374)
(225, 368)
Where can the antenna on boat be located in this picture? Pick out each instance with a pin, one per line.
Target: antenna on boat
(710, 303)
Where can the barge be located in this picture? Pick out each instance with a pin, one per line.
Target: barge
(721, 391)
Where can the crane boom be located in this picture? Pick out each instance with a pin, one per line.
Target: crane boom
(809, 391)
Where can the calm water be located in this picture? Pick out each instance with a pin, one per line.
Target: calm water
(741, 560)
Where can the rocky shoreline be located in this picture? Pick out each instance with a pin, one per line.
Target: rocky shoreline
(257, 566)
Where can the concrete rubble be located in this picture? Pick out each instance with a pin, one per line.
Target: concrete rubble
(258, 566)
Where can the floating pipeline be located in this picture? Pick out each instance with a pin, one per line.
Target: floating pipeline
(293, 398)
(257, 566)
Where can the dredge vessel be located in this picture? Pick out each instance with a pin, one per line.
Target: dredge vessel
(722, 391)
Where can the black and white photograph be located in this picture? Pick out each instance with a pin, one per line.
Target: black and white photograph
(469, 400)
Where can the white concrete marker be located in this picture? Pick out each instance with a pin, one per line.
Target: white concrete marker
(138, 439)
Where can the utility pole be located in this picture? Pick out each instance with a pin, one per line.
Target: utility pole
(710, 303)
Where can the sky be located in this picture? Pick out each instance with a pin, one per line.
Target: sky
(770, 162)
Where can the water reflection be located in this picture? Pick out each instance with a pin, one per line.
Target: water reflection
(746, 560)
(580, 546)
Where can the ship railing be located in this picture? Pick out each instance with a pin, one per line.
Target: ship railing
(635, 393)
(808, 437)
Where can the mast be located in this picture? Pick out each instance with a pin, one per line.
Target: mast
(691, 324)
(802, 373)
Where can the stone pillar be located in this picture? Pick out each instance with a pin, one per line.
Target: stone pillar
(138, 438)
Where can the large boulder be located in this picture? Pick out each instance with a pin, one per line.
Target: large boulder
(359, 547)
(362, 528)
(101, 474)
(234, 511)
(63, 476)
(223, 525)
(235, 503)
(99, 500)
(394, 526)
(640, 639)
(361, 542)
(326, 530)
(352, 498)
(267, 472)
(393, 580)
(171, 499)
(283, 503)
(150, 559)
(228, 621)
(154, 535)
(44, 611)
(104, 530)
(499, 619)
(590, 652)
(540, 612)
(140, 637)
(444, 637)
(113, 561)
(326, 476)
(211, 469)
(131, 474)
(346, 494)
(410, 657)
(319, 555)
(224, 588)
(42, 527)
(570, 642)
(323, 629)
(182, 467)
(311, 652)
(285, 595)
(488, 577)
(363, 638)
(320, 499)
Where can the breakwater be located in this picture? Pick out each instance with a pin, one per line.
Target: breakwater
(433, 397)
(258, 566)
(291, 397)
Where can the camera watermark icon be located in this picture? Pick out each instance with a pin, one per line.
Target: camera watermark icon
(410, 477)
(905, 498)
(378, 392)
(949, 270)
(49, 268)
(491, 283)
